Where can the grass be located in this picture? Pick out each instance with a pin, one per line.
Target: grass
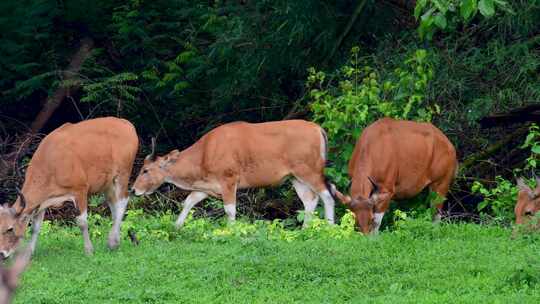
(263, 263)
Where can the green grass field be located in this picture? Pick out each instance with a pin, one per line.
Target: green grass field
(263, 263)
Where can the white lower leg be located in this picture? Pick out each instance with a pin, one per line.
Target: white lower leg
(328, 206)
(377, 220)
(190, 201)
(36, 227)
(82, 221)
(117, 212)
(308, 198)
(230, 210)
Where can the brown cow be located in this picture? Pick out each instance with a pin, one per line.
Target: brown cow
(72, 162)
(396, 159)
(244, 155)
(9, 277)
(528, 202)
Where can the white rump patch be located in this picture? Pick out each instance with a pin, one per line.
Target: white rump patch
(323, 146)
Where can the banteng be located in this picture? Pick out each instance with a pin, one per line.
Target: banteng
(528, 203)
(244, 155)
(72, 162)
(395, 159)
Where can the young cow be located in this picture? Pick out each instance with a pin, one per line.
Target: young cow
(244, 155)
(72, 162)
(528, 202)
(395, 159)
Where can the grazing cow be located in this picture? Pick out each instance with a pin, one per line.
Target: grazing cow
(528, 202)
(243, 155)
(72, 162)
(9, 277)
(395, 159)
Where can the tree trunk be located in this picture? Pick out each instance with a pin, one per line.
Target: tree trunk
(53, 102)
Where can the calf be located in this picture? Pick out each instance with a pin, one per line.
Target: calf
(244, 155)
(72, 162)
(396, 159)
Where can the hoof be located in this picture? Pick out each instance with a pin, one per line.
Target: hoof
(89, 250)
(113, 243)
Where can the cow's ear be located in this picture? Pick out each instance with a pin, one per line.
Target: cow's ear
(374, 194)
(170, 158)
(345, 199)
(524, 187)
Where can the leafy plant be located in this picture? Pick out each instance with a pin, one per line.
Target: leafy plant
(500, 199)
(532, 142)
(435, 15)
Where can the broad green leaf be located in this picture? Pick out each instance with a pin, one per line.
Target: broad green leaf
(420, 4)
(486, 8)
(468, 9)
(442, 6)
(536, 149)
(440, 21)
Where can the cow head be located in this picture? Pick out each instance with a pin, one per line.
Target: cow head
(528, 203)
(363, 208)
(154, 172)
(9, 277)
(12, 227)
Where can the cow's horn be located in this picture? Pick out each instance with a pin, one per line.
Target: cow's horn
(22, 201)
(152, 155)
(375, 187)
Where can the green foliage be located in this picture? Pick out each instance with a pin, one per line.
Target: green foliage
(248, 265)
(364, 94)
(446, 15)
(500, 198)
(532, 142)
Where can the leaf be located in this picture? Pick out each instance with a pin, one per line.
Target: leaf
(420, 4)
(486, 7)
(468, 9)
(536, 149)
(440, 21)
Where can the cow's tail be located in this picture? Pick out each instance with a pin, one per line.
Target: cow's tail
(324, 148)
(327, 163)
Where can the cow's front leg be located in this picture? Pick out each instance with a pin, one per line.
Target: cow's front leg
(37, 220)
(190, 201)
(229, 200)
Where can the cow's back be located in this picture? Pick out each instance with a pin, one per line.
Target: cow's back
(405, 153)
(93, 151)
(269, 147)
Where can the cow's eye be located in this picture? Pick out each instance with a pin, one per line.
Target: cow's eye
(528, 213)
(145, 171)
(9, 230)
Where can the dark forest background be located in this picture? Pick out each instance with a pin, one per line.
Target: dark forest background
(178, 68)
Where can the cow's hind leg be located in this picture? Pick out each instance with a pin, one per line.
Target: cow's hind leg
(82, 220)
(37, 220)
(308, 198)
(117, 200)
(440, 189)
(316, 183)
(190, 201)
